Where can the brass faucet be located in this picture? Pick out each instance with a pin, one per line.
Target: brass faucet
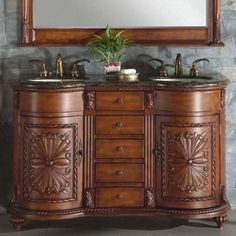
(178, 66)
(59, 66)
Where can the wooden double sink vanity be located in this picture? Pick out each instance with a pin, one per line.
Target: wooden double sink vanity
(106, 148)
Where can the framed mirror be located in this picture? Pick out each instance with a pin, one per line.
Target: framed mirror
(151, 22)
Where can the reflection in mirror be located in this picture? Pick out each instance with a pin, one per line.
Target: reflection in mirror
(119, 14)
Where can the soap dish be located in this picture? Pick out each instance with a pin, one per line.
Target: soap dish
(128, 77)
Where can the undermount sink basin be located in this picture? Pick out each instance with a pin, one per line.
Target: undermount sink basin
(53, 80)
(184, 79)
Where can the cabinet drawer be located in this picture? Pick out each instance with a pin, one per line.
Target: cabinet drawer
(119, 101)
(50, 102)
(119, 125)
(194, 101)
(119, 197)
(119, 149)
(124, 173)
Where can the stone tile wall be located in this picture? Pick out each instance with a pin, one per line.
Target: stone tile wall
(14, 60)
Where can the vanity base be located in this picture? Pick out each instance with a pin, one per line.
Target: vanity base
(218, 214)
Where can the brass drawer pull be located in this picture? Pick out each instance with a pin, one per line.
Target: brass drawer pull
(119, 196)
(119, 124)
(119, 149)
(119, 172)
(119, 100)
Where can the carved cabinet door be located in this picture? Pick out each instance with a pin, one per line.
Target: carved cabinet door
(51, 151)
(187, 166)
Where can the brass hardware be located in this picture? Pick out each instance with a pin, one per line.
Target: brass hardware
(178, 66)
(119, 149)
(119, 172)
(163, 71)
(59, 66)
(43, 68)
(119, 196)
(120, 100)
(119, 124)
(74, 71)
(74, 68)
(194, 72)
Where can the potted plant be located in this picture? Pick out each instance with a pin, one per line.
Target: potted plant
(110, 47)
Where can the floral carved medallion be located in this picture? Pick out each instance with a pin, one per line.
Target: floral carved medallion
(50, 162)
(187, 163)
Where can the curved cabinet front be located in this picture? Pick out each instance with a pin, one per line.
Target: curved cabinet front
(118, 151)
(48, 151)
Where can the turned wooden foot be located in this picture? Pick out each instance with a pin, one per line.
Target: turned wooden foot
(17, 222)
(221, 220)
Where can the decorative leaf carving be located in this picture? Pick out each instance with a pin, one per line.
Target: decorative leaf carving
(188, 161)
(50, 162)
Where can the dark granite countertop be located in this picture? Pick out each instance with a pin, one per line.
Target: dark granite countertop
(214, 80)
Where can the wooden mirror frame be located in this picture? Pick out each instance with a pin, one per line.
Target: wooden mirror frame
(208, 36)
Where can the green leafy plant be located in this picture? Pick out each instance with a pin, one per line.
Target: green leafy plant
(110, 47)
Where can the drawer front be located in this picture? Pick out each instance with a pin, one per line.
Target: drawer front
(194, 101)
(119, 197)
(51, 102)
(119, 101)
(119, 173)
(119, 149)
(119, 125)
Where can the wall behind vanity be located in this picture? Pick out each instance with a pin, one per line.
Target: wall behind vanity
(14, 61)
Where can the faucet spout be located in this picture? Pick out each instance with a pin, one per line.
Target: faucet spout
(178, 66)
(59, 66)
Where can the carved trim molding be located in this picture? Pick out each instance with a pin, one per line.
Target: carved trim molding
(90, 100)
(89, 198)
(150, 199)
(48, 161)
(198, 139)
(222, 98)
(149, 103)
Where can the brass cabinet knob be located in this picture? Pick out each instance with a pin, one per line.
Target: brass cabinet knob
(119, 100)
(119, 124)
(119, 172)
(119, 149)
(119, 196)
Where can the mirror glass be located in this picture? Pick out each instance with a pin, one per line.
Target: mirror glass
(119, 13)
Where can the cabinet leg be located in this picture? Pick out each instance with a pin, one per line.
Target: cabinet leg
(221, 220)
(17, 222)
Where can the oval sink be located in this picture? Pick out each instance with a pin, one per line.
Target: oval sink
(53, 80)
(184, 79)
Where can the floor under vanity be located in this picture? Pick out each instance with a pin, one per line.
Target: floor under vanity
(138, 226)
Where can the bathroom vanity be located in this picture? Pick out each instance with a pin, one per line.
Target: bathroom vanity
(105, 148)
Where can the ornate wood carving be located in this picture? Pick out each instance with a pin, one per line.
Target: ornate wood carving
(90, 100)
(221, 220)
(89, 198)
(26, 21)
(149, 100)
(17, 222)
(187, 169)
(150, 199)
(222, 98)
(216, 24)
(50, 162)
(188, 161)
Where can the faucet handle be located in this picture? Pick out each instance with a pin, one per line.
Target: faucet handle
(163, 71)
(74, 68)
(43, 72)
(194, 72)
